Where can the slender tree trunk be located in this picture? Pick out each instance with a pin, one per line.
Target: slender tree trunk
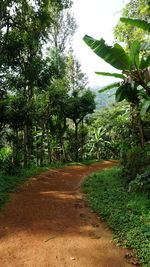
(131, 115)
(141, 132)
(42, 146)
(25, 145)
(140, 126)
(76, 142)
(49, 146)
(82, 142)
(30, 143)
(15, 160)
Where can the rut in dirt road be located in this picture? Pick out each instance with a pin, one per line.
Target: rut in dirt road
(47, 224)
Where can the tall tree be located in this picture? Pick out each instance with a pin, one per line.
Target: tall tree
(25, 26)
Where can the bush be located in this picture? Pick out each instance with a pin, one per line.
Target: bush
(133, 163)
(4, 156)
(141, 182)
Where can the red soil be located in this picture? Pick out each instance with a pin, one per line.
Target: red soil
(48, 224)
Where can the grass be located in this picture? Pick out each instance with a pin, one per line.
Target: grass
(10, 183)
(126, 213)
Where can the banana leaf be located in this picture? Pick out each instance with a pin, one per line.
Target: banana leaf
(145, 106)
(108, 87)
(145, 46)
(145, 63)
(128, 92)
(116, 75)
(115, 56)
(121, 93)
(142, 24)
(134, 54)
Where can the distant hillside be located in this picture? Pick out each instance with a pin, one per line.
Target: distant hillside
(105, 98)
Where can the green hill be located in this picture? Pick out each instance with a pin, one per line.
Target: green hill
(103, 99)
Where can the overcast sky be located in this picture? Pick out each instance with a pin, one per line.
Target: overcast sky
(97, 19)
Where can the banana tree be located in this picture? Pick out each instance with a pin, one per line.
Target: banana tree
(145, 25)
(134, 68)
(134, 71)
(97, 142)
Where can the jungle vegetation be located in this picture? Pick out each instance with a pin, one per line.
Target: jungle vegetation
(47, 112)
(121, 195)
(49, 115)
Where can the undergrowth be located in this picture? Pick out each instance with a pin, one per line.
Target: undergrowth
(127, 213)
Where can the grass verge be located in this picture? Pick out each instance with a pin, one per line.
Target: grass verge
(126, 213)
(10, 183)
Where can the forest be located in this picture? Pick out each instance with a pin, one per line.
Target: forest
(48, 114)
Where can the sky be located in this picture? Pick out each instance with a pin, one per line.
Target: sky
(97, 19)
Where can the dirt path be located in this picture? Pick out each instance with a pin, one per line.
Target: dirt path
(47, 224)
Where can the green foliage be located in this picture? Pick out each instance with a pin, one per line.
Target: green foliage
(116, 75)
(128, 92)
(134, 11)
(111, 133)
(108, 87)
(137, 23)
(135, 82)
(135, 86)
(145, 106)
(9, 183)
(105, 98)
(78, 106)
(134, 160)
(40, 90)
(126, 213)
(4, 154)
(115, 56)
(6, 164)
(141, 182)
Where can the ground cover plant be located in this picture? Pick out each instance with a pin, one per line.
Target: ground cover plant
(126, 212)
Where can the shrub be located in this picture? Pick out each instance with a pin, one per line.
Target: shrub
(141, 182)
(133, 163)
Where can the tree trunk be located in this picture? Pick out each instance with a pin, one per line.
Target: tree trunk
(76, 142)
(49, 147)
(141, 132)
(15, 158)
(140, 126)
(25, 145)
(42, 147)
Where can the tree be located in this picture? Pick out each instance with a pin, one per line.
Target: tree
(25, 27)
(138, 9)
(77, 108)
(134, 69)
(76, 80)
